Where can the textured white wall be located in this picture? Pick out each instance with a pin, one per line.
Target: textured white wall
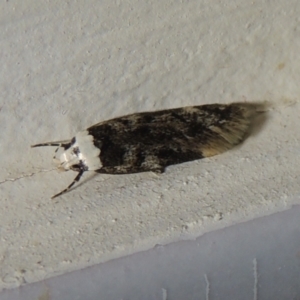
(67, 65)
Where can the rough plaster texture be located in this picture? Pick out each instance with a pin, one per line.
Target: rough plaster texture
(66, 65)
(252, 260)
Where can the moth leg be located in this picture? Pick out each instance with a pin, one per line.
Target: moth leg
(54, 156)
(77, 178)
(57, 144)
(158, 171)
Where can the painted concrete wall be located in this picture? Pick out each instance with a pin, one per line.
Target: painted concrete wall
(66, 65)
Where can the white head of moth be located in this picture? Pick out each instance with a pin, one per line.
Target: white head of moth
(79, 155)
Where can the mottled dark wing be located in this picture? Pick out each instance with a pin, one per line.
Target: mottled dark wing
(153, 140)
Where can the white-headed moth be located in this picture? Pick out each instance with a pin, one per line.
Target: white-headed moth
(151, 141)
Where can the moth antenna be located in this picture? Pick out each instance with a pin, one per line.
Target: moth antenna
(76, 179)
(54, 144)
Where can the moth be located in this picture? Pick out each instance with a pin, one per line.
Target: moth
(152, 141)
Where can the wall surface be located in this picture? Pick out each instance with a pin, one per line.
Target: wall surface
(253, 260)
(66, 65)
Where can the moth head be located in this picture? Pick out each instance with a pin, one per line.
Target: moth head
(69, 159)
(80, 155)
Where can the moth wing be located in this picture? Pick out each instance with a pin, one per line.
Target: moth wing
(229, 133)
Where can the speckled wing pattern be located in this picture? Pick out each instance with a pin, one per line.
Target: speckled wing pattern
(151, 141)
